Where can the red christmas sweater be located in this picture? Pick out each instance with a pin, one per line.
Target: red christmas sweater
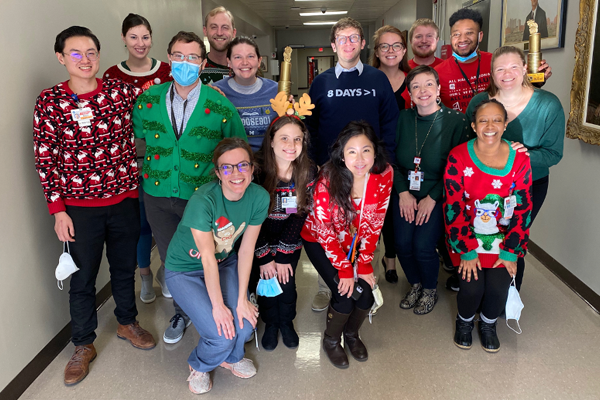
(456, 93)
(86, 166)
(324, 225)
(159, 73)
(474, 208)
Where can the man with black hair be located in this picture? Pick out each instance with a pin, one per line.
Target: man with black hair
(539, 16)
(467, 72)
(85, 158)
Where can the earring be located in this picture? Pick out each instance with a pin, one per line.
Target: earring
(411, 103)
(439, 101)
(220, 183)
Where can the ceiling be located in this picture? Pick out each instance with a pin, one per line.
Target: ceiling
(279, 15)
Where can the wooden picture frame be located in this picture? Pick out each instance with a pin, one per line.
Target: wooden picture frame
(584, 117)
(514, 27)
(264, 65)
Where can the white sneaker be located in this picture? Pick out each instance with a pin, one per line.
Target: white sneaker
(242, 369)
(147, 294)
(199, 382)
(160, 278)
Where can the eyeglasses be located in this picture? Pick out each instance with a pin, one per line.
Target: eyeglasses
(395, 47)
(181, 57)
(227, 169)
(77, 56)
(342, 39)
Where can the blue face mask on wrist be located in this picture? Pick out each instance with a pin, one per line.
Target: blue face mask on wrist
(185, 73)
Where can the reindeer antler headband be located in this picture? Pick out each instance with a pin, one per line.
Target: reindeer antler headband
(300, 109)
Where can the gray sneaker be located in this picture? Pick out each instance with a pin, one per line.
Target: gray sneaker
(160, 278)
(147, 295)
(321, 301)
(177, 326)
(199, 382)
(242, 369)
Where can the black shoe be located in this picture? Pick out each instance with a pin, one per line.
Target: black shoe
(487, 336)
(269, 339)
(289, 335)
(462, 335)
(390, 275)
(453, 283)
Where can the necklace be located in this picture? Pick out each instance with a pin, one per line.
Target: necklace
(417, 150)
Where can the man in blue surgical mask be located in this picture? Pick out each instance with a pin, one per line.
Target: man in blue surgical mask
(467, 72)
(182, 122)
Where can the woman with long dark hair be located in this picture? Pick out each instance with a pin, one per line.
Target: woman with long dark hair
(341, 232)
(287, 173)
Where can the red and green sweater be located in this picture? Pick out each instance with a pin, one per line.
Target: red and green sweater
(324, 225)
(474, 208)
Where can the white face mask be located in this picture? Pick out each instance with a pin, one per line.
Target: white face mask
(66, 266)
(514, 305)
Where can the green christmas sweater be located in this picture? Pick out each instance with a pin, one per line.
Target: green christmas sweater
(177, 168)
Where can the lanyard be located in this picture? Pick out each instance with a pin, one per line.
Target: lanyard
(476, 76)
(76, 99)
(417, 150)
(178, 132)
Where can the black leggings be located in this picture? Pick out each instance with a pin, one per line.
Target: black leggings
(539, 191)
(490, 291)
(341, 304)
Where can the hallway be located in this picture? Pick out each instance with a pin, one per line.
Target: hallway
(411, 357)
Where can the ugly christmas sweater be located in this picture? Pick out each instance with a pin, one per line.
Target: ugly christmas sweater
(87, 166)
(279, 235)
(474, 209)
(324, 225)
(176, 168)
(160, 72)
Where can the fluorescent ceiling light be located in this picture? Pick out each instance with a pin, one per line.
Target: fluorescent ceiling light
(320, 23)
(311, 14)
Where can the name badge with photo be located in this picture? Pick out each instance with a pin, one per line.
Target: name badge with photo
(289, 204)
(415, 179)
(83, 116)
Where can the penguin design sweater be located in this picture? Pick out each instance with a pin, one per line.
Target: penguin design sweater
(474, 211)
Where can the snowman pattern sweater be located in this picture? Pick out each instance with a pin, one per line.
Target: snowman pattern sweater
(474, 213)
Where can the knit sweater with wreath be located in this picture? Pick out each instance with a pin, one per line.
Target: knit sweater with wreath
(474, 211)
(87, 166)
(325, 226)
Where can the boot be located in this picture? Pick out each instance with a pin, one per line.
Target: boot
(333, 337)
(351, 339)
(488, 337)
(462, 335)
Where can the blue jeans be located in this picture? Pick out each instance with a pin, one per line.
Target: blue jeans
(189, 291)
(144, 246)
(415, 245)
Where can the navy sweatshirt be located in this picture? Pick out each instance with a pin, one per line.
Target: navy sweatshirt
(348, 98)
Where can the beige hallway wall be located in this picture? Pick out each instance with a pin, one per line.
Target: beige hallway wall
(32, 309)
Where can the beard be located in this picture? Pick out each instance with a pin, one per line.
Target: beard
(423, 54)
(469, 50)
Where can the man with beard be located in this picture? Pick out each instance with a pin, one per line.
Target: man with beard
(219, 28)
(424, 36)
(467, 72)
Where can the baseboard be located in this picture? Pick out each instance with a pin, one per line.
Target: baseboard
(21, 382)
(575, 284)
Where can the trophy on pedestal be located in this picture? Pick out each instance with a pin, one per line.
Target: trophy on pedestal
(534, 57)
(285, 77)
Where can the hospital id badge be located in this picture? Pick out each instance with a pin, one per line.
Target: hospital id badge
(83, 116)
(415, 179)
(510, 203)
(289, 204)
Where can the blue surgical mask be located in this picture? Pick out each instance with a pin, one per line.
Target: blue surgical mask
(185, 73)
(467, 58)
(269, 287)
(514, 306)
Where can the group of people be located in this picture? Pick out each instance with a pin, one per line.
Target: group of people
(233, 179)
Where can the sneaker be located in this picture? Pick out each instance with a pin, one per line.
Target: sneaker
(321, 301)
(147, 295)
(200, 382)
(242, 369)
(174, 332)
(160, 278)
(453, 283)
(411, 297)
(426, 302)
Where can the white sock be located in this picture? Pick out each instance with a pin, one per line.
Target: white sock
(466, 319)
(486, 320)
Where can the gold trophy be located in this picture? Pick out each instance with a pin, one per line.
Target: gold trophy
(534, 57)
(285, 77)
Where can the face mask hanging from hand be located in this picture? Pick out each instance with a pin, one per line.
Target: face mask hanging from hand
(268, 287)
(66, 266)
(514, 305)
(185, 73)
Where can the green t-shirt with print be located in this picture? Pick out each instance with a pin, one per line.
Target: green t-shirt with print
(209, 211)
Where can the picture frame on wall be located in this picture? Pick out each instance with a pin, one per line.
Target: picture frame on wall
(584, 116)
(264, 64)
(549, 14)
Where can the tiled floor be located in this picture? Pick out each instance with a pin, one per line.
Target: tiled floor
(410, 356)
